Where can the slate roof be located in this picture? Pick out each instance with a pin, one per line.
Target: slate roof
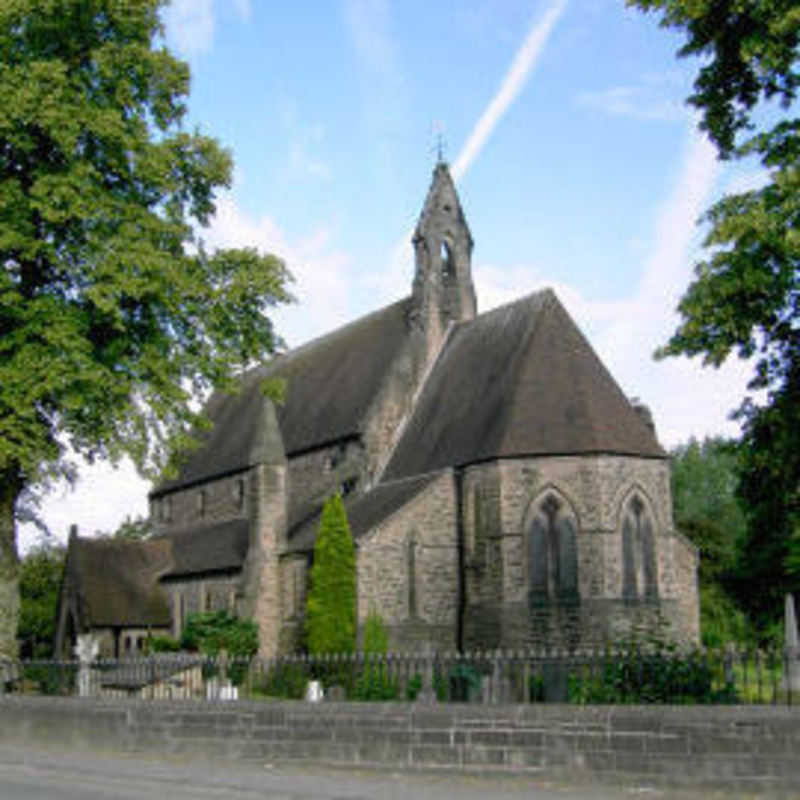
(330, 384)
(220, 547)
(518, 380)
(365, 511)
(117, 581)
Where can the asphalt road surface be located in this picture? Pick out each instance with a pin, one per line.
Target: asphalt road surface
(41, 774)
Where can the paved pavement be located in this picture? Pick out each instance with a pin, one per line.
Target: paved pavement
(41, 774)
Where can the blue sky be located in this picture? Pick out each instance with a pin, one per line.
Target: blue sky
(578, 164)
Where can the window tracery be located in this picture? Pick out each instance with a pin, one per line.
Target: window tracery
(552, 552)
(639, 566)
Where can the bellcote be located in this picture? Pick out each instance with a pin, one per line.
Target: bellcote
(443, 291)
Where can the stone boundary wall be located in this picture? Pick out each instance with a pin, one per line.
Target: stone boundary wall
(749, 748)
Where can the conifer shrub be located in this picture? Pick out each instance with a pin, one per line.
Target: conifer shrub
(375, 683)
(331, 608)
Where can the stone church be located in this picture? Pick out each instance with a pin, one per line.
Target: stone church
(501, 489)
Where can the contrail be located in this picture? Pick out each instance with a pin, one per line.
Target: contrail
(512, 83)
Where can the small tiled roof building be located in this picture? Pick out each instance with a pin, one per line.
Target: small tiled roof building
(501, 489)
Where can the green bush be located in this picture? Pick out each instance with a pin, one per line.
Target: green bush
(721, 620)
(463, 683)
(286, 681)
(331, 608)
(374, 683)
(213, 632)
(660, 675)
(51, 678)
(414, 687)
(161, 644)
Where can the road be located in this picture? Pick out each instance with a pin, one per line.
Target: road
(41, 774)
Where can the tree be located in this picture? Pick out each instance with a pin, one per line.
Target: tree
(132, 529)
(706, 506)
(211, 632)
(331, 607)
(40, 584)
(113, 317)
(745, 297)
(705, 482)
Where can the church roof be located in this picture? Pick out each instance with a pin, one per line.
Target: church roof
(330, 383)
(117, 581)
(518, 380)
(218, 547)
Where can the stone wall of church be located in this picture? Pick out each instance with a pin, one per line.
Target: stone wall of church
(408, 570)
(317, 474)
(501, 501)
(196, 594)
(206, 503)
(294, 583)
(394, 402)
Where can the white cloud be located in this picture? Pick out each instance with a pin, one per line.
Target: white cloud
(190, 24)
(318, 266)
(101, 499)
(686, 399)
(369, 23)
(302, 140)
(639, 102)
(511, 85)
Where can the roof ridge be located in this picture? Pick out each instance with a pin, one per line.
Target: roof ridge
(305, 346)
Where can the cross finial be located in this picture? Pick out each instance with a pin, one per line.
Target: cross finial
(441, 143)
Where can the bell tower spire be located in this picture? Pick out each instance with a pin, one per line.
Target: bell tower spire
(443, 291)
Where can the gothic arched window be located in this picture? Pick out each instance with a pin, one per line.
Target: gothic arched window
(552, 552)
(639, 567)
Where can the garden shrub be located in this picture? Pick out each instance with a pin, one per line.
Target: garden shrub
(213, 632)
(660, 675)
(375, 683)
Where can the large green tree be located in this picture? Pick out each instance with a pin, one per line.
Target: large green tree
(112, 315)
(40, 583)
(331, 607)
(706, 505)
(705, 484)
(745, 298)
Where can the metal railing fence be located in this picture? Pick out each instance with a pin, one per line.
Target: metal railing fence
(730, 676)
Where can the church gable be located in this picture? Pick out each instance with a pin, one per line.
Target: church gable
(518, 380)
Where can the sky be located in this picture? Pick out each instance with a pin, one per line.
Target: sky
(578, 164)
